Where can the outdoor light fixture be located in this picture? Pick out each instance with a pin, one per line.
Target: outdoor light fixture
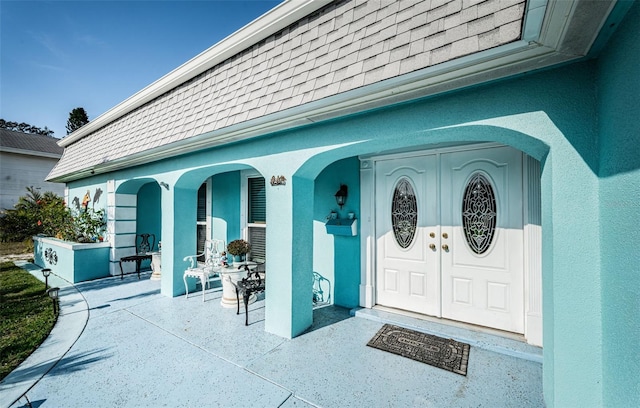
(46, 272)
(341, 195)
(53, 294)
(165, 185)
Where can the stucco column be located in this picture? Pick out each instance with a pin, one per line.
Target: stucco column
(178, 237)
(572, 283)
(289, 308)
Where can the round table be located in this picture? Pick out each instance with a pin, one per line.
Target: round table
(230, 275)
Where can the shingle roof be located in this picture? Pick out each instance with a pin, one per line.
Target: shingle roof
(28, 142)
(341, 47)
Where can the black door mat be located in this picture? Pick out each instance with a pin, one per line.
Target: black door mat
(443, 353)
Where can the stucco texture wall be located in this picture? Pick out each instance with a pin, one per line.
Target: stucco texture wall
(551, 116)
(619, 169)
(584, 137)
(337, 257)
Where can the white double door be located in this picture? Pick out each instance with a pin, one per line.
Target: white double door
(440, 256)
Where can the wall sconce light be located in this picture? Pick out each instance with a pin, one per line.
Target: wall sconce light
(165, 185)
(341, 195)
(53, 294)
(46, 272)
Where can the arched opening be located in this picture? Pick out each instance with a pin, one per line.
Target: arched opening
(363, 159)
(136, 223)
(217, 204)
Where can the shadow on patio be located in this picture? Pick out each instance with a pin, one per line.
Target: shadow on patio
(185, 352)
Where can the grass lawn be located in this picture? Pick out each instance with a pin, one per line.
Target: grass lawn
(26, 316)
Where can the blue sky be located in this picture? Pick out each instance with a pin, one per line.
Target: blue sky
(59, 55)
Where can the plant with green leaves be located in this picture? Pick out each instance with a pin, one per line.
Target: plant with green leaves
(238, 247)
(89, 225)
(47, 214)
(35, 213)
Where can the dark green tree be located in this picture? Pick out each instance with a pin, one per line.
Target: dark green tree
(77, 118)
(25, 128)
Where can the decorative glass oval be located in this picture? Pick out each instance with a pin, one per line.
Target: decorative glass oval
(479, 213)
(404, 213)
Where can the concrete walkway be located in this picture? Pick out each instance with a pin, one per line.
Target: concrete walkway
(141, 349)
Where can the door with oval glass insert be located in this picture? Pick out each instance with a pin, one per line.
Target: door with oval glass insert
(482, 271)
(471, 269)
(408, 271)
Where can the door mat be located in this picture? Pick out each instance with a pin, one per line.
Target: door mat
(447, 354)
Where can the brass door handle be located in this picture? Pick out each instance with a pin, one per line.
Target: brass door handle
(445, 247)
(432, 246)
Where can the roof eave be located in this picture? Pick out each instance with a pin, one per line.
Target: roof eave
(26, 152)
(557, 42)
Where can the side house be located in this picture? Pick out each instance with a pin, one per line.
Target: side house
(489, 149)
(25, 161)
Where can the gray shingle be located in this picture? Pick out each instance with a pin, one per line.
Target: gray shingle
(12, 139)
(482, 25)
(344, 46)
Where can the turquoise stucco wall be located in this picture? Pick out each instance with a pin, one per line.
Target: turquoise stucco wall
(149, 215)
(97, 189)
(345, 250)
(618, 88)
(225, 205)
(180, 207)
(550, 115)
(73, 262)
(149, 211)
(578, 120)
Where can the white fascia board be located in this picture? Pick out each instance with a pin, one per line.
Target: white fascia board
(269, 23)
(426, 82)
(30, 152)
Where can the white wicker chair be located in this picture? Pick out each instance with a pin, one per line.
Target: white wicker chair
(209, 269)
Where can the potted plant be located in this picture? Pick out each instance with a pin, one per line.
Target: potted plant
(238, 248)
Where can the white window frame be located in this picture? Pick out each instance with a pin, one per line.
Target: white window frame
(208, 220)
(245, 175)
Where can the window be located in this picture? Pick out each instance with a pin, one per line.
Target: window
(404, 213)
(201, 220)
(479, 213)
(257, 217)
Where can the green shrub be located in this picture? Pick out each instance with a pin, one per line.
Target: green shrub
(48, 215)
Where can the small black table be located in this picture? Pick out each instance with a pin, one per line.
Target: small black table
(133, 258)
(247, 286)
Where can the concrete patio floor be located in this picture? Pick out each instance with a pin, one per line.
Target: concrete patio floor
(119, 343)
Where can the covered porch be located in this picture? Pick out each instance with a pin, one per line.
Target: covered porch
(216, 361)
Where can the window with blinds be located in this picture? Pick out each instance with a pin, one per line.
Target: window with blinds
(201, 220)
(202, 203)
(257, 217)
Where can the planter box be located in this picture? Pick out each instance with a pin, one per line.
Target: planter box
(72, 261)
(340, 226)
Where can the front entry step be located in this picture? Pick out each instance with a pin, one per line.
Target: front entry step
(507, 345)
